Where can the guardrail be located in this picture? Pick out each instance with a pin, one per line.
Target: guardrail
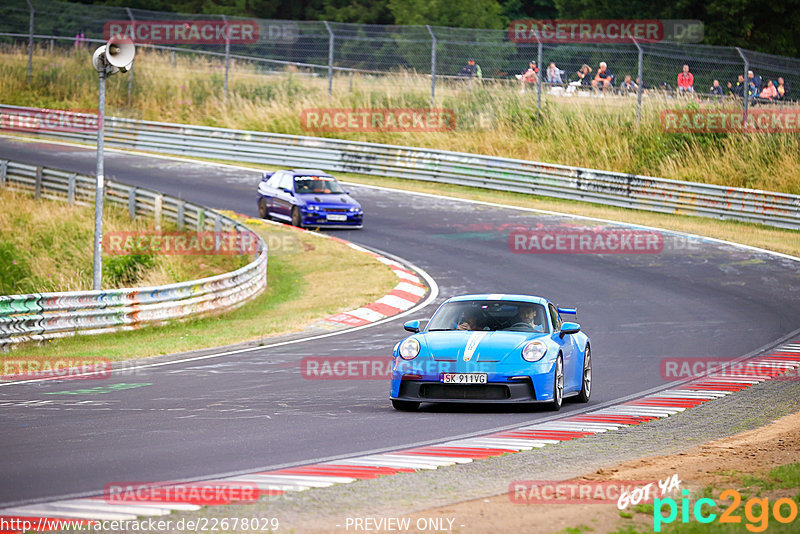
(488, 172)
(42, 316)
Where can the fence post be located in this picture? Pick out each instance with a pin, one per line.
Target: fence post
(3, 172)
(52, 45)
(71, 189)
(130, 70)
(227, 55)
(181, 214)
(132, 203)
(330, 57)
(172, 58)
(433, 66)
(639, 83)
(745, 88)
(30, 42)
(38, 188)
(541, 73)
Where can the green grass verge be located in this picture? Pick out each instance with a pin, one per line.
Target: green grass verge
(302, 288)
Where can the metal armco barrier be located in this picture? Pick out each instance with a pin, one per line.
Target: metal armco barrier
(502, 174)
(43, 316)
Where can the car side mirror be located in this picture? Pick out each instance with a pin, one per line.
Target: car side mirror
(569, 328)
(412, 326)
(287, 191)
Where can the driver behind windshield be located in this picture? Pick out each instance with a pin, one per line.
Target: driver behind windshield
(529, 315)
(469, 321)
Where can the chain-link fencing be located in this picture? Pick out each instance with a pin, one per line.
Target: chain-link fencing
(339, 50)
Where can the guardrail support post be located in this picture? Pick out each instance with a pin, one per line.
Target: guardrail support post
(217, 230)
(30, 42)
(330, 57)
(71, 189)
(433, 66)
(38, 188)
(3, 172)
(132, 203)
(159, 201)
(201, 219)
(181, 214)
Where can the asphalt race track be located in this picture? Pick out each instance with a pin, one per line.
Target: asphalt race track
(255, 410)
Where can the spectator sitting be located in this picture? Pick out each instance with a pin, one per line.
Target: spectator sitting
(583, 75)
(471, 70)
(685, 81)
(644, 86)
(716, 89)
(554, 74)
(782, 90)
(769, 92)
(738, 89)
(530, 76)
(755, 80)
(628, 85)
(603, 77)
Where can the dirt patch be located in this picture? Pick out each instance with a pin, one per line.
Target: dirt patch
(719, 463)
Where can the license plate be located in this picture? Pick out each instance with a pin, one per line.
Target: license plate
(335, 217)
(464, 378)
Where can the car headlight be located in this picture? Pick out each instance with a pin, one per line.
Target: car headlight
(355, 210)
(534, 351)
(409, 349)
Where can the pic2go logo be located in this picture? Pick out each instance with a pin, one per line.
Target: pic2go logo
(756, 511)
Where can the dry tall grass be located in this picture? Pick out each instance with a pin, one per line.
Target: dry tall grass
(492, 119)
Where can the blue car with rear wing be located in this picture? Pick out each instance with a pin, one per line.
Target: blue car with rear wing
(307, 197)
(493, 348)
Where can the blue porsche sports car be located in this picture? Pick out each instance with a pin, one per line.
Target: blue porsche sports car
(307, 197)
(493, 348)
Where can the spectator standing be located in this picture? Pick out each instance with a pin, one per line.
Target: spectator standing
(603, 78)
(685, 81)
(628, 85)
(530, 76)
(554, 74)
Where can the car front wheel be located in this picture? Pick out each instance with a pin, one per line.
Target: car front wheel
(263, 210)
(558, 386)
(586, 385)
(296, 217)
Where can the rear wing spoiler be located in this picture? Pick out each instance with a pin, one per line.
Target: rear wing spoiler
(568, 311)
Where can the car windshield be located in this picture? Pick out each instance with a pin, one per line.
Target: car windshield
(490, 315)
(322, 185)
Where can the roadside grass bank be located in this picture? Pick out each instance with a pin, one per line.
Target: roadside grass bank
(492, 118)
(46, 245)
(309, 278)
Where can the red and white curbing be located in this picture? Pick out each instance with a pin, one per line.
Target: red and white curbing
(402, 297)
(657, 405)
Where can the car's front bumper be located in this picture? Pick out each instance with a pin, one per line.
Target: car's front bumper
(321, 219)
(419, 381)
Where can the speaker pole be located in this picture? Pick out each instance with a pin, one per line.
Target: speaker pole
(97, 265)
